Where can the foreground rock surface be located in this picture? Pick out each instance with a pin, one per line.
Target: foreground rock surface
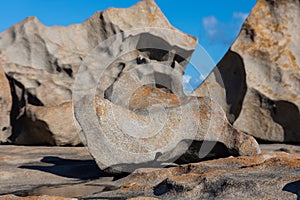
(44, 197)
(261, 73)
(210, 120)
(71, 173)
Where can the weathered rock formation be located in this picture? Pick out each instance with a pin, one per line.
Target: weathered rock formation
(132, 60)
(120, 72)
(41, 63)
(261, 73)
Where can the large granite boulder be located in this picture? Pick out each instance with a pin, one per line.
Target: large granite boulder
(129, 101)
(261, 73)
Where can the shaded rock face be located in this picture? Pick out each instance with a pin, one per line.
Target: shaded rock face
(261, 73)
(5, 107)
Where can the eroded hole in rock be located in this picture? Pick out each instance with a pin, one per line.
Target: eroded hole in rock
(158, 49)
(156, 54)
(233, 75)
(287, 115)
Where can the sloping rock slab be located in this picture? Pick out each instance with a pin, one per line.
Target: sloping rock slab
(70, 172)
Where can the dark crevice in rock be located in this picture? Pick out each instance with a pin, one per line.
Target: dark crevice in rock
(67, 69)
(160, 50)
(69, 72)
(233, 75)
(168, 186)
(249, 31)
(33, 100)
(156, 54)
(287, 115)
(271, 2)
(213, 150)
(265, 102)
(163, 88)
(109, 91)
(17, 105)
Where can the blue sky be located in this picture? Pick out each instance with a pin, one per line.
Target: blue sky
(216, 23)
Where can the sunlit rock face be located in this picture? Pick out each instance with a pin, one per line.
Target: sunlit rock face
(41, 64)
(261, 73)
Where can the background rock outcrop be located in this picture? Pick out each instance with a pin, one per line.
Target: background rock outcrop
(261, 73)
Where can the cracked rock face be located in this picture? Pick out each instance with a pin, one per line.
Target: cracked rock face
(261, 73)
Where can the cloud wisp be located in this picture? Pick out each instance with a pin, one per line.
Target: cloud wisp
(223, 33)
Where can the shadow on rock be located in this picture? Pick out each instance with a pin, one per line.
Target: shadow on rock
(293, 187)
(69, 168)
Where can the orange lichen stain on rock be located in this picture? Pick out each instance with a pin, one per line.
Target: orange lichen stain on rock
(100, 109)
(134, 186)
(185, 178)
(146, 96)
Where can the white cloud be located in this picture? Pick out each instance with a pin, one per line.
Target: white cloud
(210, 25)
(218, 32)
(240, 15)
(210, 21)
